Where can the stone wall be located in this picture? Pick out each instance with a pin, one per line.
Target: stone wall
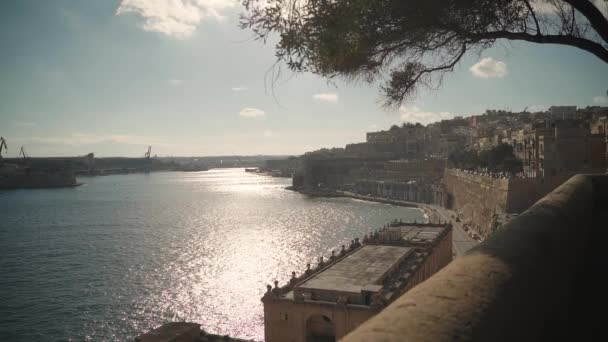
(524, 192)
(478, 198)
(333, 173)
(286, 320)
(482, 199)
(402, 191)
(438, 259)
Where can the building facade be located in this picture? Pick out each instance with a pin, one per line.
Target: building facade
(559, 148)
(329, 301)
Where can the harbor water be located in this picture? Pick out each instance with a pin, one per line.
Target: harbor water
(123, 254)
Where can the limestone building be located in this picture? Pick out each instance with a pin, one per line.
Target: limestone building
(563, 112)
(329, 301)
(560, 148)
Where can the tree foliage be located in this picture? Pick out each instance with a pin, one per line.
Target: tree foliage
(408, 43)
(498, 159)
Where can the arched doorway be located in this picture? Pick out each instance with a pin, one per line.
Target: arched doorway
(320, 328)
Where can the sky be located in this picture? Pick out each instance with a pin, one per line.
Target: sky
(112, 77)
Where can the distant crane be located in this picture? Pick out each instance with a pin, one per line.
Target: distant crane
(239, 161)
(2, 146)
(147, 154)
(23, 153)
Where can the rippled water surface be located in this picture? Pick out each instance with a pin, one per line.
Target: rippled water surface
(123, 254)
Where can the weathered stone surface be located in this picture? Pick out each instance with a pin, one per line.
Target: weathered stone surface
(533, 280)
(481, 199)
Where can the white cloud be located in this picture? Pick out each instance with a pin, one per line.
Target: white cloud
(373, 126)
(415, 115)
(488, 68)
(175, 18)
(239, 88)
(251, 113)
(326, 97)
(603, 99)
(175, 82)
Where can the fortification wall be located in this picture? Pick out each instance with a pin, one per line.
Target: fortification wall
(483, 199)
(524, 192)
(478, 198)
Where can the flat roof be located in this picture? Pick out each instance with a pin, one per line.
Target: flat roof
(419, 234)
(368, 265)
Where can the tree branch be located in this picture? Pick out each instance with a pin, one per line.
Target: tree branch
(595, 17)
(533, 16)
(590, 46)
(446, 67)
(400, 92)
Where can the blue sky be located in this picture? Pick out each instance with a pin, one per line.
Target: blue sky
(112, 77)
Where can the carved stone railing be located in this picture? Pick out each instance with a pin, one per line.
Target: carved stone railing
(277, 291)
(539, 278)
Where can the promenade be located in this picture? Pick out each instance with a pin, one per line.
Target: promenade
(462, 240)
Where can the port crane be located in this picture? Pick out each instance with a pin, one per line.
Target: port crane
(2, 146)
(23, 153)
(147, 154)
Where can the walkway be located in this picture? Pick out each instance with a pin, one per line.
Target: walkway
(461, 240)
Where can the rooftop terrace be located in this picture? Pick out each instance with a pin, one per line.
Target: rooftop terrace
(366, 266)
(379, 266)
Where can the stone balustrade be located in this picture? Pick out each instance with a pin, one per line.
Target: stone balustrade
(276, 291)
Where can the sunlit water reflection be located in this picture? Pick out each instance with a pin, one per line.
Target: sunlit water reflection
(124, 254)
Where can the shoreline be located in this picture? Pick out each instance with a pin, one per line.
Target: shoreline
(378, 199)
(336, 193)
(431, 212)
(428, 213)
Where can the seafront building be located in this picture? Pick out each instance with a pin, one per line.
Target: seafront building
(327, 302)
(433, 164)
(559, 148)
